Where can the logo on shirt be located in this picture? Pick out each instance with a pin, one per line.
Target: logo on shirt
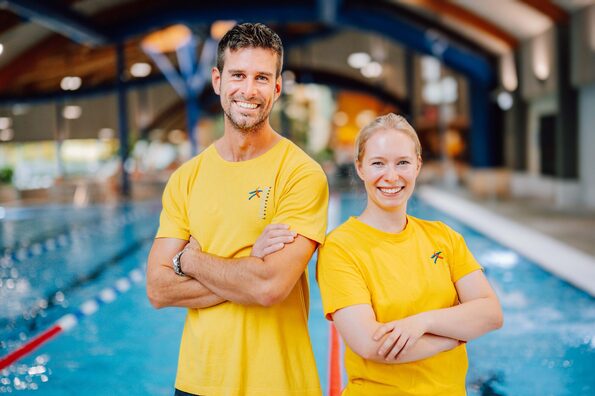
(255, 193)
(436, 256)
(262, 194)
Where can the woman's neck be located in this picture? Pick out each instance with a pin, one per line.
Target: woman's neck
(387, 221)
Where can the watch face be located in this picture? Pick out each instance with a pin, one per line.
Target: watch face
(176, 264)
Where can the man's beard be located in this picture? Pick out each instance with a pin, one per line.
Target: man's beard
(247, 129)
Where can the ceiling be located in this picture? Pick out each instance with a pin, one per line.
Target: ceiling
(43, 42)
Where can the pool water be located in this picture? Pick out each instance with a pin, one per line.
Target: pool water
(546, 347)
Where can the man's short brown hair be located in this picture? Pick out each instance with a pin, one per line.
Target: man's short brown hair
(250, 35)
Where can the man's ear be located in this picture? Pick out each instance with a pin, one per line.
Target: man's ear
(278, 87)
(216, 80)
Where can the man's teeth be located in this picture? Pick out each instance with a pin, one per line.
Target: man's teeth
(391, 190)
(245, 105)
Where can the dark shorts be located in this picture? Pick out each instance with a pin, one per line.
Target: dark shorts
(181, 393)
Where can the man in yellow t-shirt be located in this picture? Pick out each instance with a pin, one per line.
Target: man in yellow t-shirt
(253, 206)
(399, 275)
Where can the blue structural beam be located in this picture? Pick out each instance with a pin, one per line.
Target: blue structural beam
(427, 42)
(353, 15)
(122, 120)
(57, 18)
(481, 133)
(328, 9)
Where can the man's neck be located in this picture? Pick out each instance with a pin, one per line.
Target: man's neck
(238, 146)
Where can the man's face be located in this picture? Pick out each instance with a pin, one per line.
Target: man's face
(248, 87)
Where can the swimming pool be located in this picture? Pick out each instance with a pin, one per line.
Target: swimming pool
(546, 347)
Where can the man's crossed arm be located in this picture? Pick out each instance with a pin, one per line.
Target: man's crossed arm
(264, 278)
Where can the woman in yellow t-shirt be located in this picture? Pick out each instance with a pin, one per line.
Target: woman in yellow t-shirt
(404, 293)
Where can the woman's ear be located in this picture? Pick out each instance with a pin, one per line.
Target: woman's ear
(358, 166)
(419, 164)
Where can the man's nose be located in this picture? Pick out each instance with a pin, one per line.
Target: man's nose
(249, 88)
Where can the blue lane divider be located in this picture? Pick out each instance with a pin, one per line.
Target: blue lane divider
(22, 252)
(70, 320)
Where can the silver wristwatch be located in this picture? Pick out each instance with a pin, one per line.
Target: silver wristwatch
(176, 263)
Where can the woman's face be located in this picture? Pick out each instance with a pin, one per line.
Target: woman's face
(388, 169)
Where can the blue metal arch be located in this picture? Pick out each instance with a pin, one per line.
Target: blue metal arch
(374, 16)
(354, 14)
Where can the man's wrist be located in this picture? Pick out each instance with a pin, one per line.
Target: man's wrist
(177, 263)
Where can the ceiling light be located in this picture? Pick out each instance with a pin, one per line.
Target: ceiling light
(219, 28)
(71, 83)
(450, 89)
(430, 68)
(357, 60)
(288, 77)
(20, 109)
(541, 57)
(340, 118)
(1, 49)
(505, 100)
(372, 70)
(106, 134)
(5, 122)
(288, 82)
(508, 75)
(6, 135)
(168, 39)
(432, 93)
(365, 117)
(140, 69)
(72, 112)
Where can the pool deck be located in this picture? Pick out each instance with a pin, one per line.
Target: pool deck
(562, 242)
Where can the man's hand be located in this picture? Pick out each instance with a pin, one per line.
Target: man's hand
(193, 244)
(402, 335)
(273, 238)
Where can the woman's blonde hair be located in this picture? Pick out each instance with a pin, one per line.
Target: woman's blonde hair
(382, 123)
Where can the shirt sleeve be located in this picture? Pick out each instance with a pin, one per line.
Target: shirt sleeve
(173, 221)
(463, 262)
(340, 280)
(304, 204)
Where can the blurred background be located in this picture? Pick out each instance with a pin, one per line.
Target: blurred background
(100, 100)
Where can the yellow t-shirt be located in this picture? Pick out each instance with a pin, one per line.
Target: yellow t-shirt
(399, 275)
(233, 349)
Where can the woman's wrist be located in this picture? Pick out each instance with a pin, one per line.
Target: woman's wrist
(428, 321)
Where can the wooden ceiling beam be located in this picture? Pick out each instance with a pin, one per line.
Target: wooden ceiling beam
(466, 17)
(549, 9)
(8, 20)
(47, 62)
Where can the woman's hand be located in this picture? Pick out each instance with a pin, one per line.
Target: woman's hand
(400, 335)
(273, 238)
